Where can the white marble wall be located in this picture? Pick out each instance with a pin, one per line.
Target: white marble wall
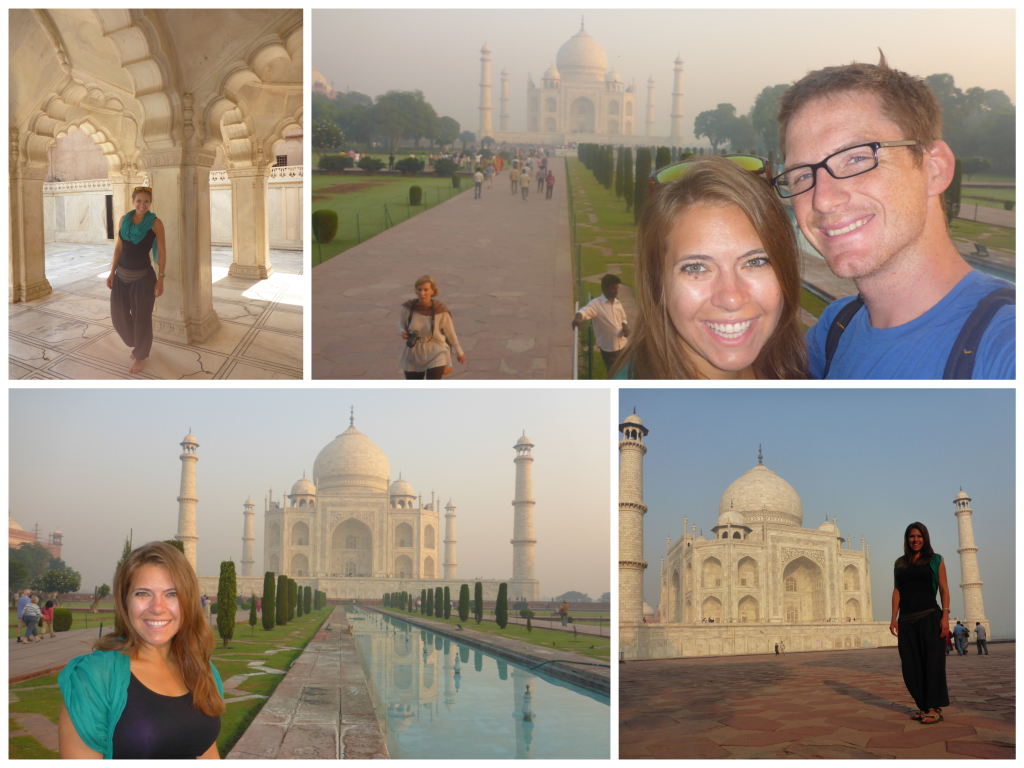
(75, 212)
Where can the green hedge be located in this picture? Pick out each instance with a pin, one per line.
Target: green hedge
(325, 223)
(62, 619)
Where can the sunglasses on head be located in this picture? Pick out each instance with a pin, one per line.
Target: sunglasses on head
(676, 171)
(143, 189)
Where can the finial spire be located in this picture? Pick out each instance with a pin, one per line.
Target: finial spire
(760, 459)
(634, 410)
(352, 416)
(581, 22)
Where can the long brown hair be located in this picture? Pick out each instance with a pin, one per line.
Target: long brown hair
(926, 550)
(192, 646)
(653, 350)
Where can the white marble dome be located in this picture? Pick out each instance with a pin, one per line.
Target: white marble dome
(962, 495)
(352, 459)
(760, 494)
(401, 488)
(581, 58)
(552, 73)
(731, 517)
(13, 525)
(303, 487)
(524, 440)
(612, 77)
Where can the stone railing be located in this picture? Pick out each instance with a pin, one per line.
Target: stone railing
(86, 185)
(277, 174)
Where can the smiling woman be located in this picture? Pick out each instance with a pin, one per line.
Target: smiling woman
(148, 690)
(717, 281)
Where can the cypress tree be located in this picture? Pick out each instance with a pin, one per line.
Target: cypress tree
(627, 180)
(252, 611)
(307, 599)
(643, 172)
(282, 600)
(430, 602)
(478, 599)
(618, 175)
(268, 600)
(501, 609)
(226, 601)
(663, 158)
(609, 167)
(438, 602)
(464, 603)
(298, 601)
(423, 601)
(293, 598)
(447, 603)
(387, 600)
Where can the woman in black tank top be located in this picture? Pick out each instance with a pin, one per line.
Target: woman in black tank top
(921, 626)
(133, 286)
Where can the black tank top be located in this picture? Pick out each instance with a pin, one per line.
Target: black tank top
(137, 256)
(915, 587)
(156, 727)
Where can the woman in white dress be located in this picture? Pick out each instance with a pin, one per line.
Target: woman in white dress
(426, 326)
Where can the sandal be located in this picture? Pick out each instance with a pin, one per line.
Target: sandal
(930, 718)
(917, 715)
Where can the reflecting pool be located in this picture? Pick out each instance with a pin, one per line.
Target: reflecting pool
(436, 698)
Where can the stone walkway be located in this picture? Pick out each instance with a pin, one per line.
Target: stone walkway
(502, 266)
(824, 705)
(68, 334)
(321, 710)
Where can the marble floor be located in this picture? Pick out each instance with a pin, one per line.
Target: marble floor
(68, 334)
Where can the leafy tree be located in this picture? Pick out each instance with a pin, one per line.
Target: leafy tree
(447, 130)
(58, 582)
(307, 599)
(764, 116)
(501, 609)
(293, 598)
(438, 602)
(447, 603)
(430, 602)
(17, 575)
(35, 557)
(487, 141)
(641, 189)
(403, 113)
(606, 597)
(478, 602)
(282, 600)
(951, 197)
(125, 551)
(252, 613)
(715, 124)
(973, 165)
(326, 135)
(574, 597)
(269, 600)
(226, 590)
(409, 166)
(100, 593)
(627, 181)
(742, 136)
(467, 137)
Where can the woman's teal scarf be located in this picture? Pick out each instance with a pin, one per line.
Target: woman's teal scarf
(135, 232)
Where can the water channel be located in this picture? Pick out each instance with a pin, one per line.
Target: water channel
(437, 698)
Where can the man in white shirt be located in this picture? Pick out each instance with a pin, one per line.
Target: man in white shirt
(609, 318)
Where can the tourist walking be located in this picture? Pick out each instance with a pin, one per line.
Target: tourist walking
(426, 326)
(478, 180)
(148, 690)
(134, 287)
(980, 638)
(609, 320)
(489, 173)
(524, 181)
(513, 174)
(782, 645)
(391, 161)
(541, 179)
(24, 600)
(31, 615)
(551, 184)
(919, 624)
(776, 649)
(958, 638)
(563, 611)
(47, 619)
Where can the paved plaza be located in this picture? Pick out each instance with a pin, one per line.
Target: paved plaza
(503, 269)
(834, 704)
(68, 334)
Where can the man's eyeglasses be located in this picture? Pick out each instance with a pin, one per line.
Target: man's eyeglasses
(676, 171)
(844, 164)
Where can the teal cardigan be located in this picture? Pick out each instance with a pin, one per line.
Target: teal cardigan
(95, 690)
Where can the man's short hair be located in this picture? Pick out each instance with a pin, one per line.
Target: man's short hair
(608, 280)
(906, 100)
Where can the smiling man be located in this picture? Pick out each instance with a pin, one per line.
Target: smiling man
(865, 168)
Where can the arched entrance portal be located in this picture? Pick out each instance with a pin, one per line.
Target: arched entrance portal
(352, 543)
(582, 116)
(803, 592)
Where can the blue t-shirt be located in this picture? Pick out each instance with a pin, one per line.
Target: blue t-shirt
(919, 349)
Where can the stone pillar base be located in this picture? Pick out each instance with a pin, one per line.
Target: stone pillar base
(30, 292)
(251, 271)
(186, 332)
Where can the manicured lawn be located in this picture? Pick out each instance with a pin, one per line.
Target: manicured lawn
(991, 177)
(247, 645)
(360, 204)
(971, 195)
(1000, 238)
(598, 648)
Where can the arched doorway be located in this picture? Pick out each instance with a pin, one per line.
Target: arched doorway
(300, 565)
(403, 536)
(403, 567)
(749, 610)
(851, 579)
(352, 542)
(582, 116)
(428, 568)
(711, 573)
(673, 597)
(711, 610)
(853, 609)
(803, 592)
(300, 535)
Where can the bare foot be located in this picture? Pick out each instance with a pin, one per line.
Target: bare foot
(136, 366)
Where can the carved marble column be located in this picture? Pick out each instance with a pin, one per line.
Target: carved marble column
(26, 245)
(122, 186)
(250, 223)
(181, 200)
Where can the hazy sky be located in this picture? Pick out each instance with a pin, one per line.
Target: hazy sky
(96, 463)
(729, 55)
(877, 459)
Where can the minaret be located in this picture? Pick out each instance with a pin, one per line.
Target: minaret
(248, 537)
(503, 116)
(449, 541)
(523, 585)
(631, 520)
(187, 499)
(485, 94)
(970, 577)
(650, 108)
(676, 131)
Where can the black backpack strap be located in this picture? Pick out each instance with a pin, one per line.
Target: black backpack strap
(960, 364)
(839, 323)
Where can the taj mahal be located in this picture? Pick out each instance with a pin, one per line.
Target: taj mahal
(353, 532)
(579, 99)
(761, 579)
